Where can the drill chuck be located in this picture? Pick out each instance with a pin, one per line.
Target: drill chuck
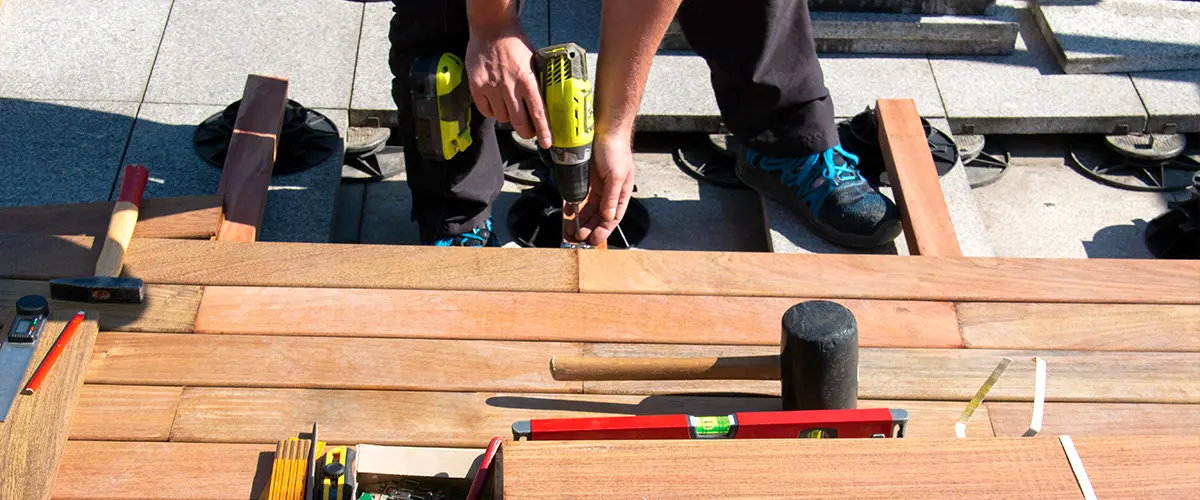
(572, 181)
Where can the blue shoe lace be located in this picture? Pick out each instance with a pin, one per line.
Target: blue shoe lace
(460, 239)
(800, 173)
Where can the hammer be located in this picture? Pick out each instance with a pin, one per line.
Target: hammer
(107, 285)
(817, 363)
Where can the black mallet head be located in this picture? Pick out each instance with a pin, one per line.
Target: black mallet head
(98, 289)
(818, 358)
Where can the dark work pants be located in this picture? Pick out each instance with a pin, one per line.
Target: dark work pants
(765, 75)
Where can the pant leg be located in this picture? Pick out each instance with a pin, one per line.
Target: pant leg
(765, 73)
(455, 196)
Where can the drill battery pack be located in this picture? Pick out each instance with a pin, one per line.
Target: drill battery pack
(441, 103)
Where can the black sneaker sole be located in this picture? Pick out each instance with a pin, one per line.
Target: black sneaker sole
(766, 185)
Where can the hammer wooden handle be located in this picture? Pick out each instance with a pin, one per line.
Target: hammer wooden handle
(124, 218)
(576, 368)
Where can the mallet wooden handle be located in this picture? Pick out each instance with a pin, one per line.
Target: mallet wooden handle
(576, 368)
(124, 218)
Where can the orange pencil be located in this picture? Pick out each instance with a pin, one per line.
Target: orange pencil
(52, 356)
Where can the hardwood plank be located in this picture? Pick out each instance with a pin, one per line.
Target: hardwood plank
(43, 257)
(192, 217)
(955, 374)
(247, 168)
(459, 419)
(34, 435)
(317, 362)
(1098, 419)
(1141, 467)
(774, 468)
(167, 308)
(1092, 327)
(125, 413)
(892, 277)
(577, 317)
(352, 266)
(914, 178)
(100, 470)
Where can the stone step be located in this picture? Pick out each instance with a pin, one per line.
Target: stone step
(961, 7)
(876, 33)
(1112, 36)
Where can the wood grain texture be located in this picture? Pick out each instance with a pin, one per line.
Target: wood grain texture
(188, 217)
(316, 362)
(100, 470)
(1091, 327)
(1141, 467)
(955, 374)
(914, 179)
(167, 308)
(1098, 419)
(43, 257)
(891, 277)
(34, 435)
(352, 266)
(782, 468)
(578, 317)
(125, 413)
(251, 157)
(459, 419)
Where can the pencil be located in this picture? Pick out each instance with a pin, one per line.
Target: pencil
(52, 356)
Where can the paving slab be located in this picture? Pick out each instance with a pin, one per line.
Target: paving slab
(211, 45)
(1172, 98)
(904, 6)
(79, 49)
(787, 233)
(1043, 208)
(61, 151)
(299, 206)
(1107, 36)
(371, 103)
(1027, 93)
(872, 33)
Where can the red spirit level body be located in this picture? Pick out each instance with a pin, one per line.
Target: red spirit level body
(861, 423)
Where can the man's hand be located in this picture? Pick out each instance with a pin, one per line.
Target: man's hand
(611, 175)
(502, 79)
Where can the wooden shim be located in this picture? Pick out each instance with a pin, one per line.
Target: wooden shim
(955, 374)
(914, 179)
(33, 436)
(891, 277)
(193, 217)
(1098, 419)
(1092, 327)
(575, 317)
(1141, 467)
(167, 308)
(247, 170)
(775, 468)
(352, 266)
(318, 362)
(99, 470)
(125, 413)
(459, 419)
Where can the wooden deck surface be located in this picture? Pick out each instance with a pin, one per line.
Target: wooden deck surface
(240, 345)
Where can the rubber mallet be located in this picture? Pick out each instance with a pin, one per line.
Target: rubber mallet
(107, 285)
(817, 363)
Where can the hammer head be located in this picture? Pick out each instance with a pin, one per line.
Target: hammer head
(98, 289)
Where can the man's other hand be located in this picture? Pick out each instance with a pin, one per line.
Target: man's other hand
(611, 175)
(503, 81)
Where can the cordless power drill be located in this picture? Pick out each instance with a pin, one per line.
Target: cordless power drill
(442, 114)
(567, 91)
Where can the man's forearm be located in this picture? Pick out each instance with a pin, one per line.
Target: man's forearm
(630, 32)
(491, 14)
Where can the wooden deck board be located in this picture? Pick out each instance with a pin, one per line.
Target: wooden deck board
(319, 362)
(192, 217)
(1098, 419)
(577, 317)
(102, 470)
(955, 374)
(125, 413)
(892, 277)
(168, 308)
(1141, 467)
(1092, 327)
